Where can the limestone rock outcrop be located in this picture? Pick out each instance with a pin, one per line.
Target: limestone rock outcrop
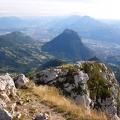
(7, 92)
(42, 116)
(91, 84)
(21, 80)
(8, 96)
(7, 89)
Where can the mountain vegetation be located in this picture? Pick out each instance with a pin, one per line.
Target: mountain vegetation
(114, 67)
(20, 53)
(28, 101)
(51, 96)
(79, 91)
(17, 38)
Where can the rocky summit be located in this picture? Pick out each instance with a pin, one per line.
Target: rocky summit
(19, 102)
(7, 91)
(8, 95)
(91, 84)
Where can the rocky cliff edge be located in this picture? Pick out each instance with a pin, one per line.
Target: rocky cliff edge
(90, 84)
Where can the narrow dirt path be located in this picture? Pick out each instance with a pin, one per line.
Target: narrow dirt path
(33, 106)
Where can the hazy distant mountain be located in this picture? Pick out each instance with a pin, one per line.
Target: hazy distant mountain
(65, 22)
(8, 21)
(68, 46)
(77, 22)
(51, 26)
(89, 28)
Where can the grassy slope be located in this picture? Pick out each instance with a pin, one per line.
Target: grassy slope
(22, 58)
(20, 53)
(51, 96)
(48, 99)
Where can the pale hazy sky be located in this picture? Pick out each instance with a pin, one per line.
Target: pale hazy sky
(93, 8)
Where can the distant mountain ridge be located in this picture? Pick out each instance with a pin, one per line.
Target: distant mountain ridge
(86, 26)
(17, 38)
(68, 46)
(11, 20)
(89, 28)
(20, 53)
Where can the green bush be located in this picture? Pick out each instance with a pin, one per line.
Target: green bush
(97, 85)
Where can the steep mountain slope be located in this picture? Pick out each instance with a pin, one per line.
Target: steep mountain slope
(20, 53)
(68, 46)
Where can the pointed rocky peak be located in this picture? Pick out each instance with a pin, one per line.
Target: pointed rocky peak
(70, 35)
(87, 17)
(68, 45)
(69, 31)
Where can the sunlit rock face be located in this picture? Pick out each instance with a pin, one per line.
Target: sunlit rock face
(90, 84)
(7, 91)
(21, 80)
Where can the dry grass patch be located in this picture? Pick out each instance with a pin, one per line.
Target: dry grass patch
(52, 97)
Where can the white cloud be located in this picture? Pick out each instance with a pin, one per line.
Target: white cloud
(93, 8)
